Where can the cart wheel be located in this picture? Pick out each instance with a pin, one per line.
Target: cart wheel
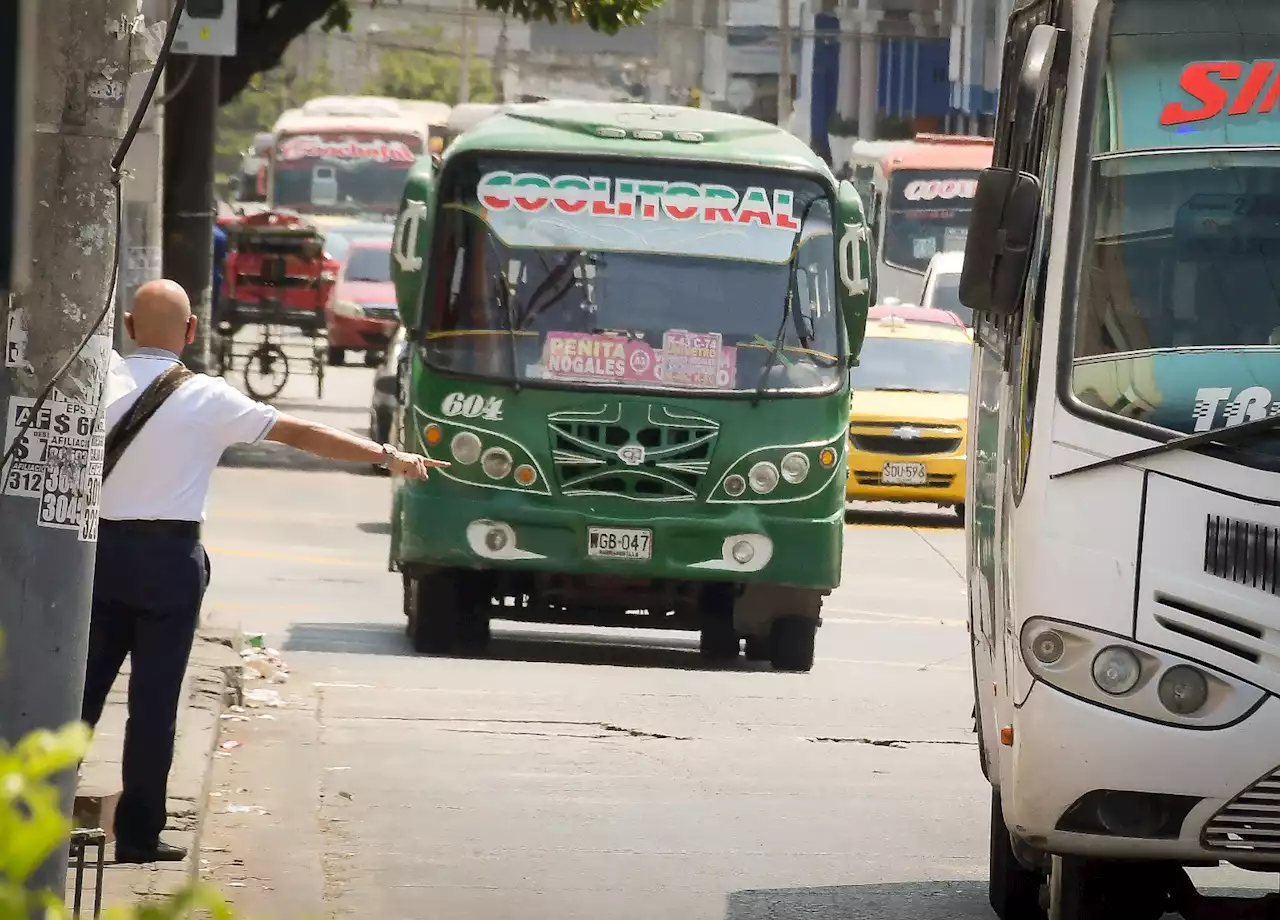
(266, 371)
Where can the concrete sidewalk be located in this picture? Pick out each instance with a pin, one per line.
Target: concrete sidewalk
(213, 681)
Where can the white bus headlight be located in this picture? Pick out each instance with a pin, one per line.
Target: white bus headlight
(1183, 690)
(1047, 646)
(795, 467)
(735, 485)
(1127, 676)
(1116, 670)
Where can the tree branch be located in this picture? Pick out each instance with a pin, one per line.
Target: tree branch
(261, 45)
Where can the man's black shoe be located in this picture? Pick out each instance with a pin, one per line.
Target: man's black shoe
(161, 852)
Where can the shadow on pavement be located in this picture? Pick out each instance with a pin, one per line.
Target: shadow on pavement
(950, 900)
(268, 455)
(381, 528)
(663, 650)
(937, 520)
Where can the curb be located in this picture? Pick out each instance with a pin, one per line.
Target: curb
(212, 682)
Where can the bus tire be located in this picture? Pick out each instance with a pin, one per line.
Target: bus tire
(1013, 889)
(435, 613)
(1095, 889)
(337, 356)
(718, 639)
(791, 641)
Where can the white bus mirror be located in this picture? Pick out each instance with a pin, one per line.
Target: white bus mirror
(1002, 229)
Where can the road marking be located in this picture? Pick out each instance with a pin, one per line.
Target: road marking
(288, 557)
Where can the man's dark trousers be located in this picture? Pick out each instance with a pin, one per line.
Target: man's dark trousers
(149, 582)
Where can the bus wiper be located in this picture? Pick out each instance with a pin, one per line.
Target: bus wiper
(792, 270)
(504, 303)
(1221, 436)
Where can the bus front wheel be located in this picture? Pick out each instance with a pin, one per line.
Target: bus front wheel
(1014, 891)
(1094, 889)
(791, 641)
(435, 608)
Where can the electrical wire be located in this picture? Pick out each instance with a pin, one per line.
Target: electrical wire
(117, 177)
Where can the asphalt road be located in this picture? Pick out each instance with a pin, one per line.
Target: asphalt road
(576, 773)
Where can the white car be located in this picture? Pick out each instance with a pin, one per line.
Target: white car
(942, 286)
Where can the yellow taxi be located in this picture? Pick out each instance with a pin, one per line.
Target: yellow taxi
(909, 412)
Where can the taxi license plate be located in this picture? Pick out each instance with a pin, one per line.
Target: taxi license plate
(619, 543)
(904, 474)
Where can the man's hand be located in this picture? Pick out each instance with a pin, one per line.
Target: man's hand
(414, 466)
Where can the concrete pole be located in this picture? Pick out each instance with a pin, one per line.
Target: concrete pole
(189, 212)
(48, 512)
(784, 62)
(464, 75)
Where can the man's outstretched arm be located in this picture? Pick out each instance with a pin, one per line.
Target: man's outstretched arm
(332, 444)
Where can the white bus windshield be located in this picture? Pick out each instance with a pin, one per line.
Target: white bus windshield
(1178, 315)
(927, 212)
(345, 172)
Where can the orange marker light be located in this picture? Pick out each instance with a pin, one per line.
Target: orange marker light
(827, 457)
(526, 475)
(1006, 736)
(433, 435)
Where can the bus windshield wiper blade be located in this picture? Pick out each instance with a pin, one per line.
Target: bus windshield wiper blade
(1223, 436)
(780, 339)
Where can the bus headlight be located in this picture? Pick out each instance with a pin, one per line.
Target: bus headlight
(795, 467)
(496, 463)
(1123, 675)
(1116, 670)
(1183, 690)
(465, 448)
(763, 477)
(735, 485)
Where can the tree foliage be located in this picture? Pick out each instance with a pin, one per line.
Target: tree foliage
(428, 73)
(267, 27)
(256, 109)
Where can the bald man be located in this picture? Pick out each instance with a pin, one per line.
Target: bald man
(167, 430)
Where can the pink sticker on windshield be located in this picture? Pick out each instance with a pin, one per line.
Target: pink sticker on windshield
(687, 359)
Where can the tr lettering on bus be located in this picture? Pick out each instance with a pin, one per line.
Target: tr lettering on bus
(1251, 404)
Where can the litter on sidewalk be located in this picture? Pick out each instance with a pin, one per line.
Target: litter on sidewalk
(264, 663)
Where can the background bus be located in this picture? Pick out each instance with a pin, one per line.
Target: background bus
(921, 196)
(344, 157)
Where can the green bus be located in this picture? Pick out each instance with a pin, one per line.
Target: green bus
(630, 330)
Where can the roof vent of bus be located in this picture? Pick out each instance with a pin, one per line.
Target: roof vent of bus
(689, 137)
(611, 132)
(647, 134)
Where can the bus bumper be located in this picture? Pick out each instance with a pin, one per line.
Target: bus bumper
(1069, 757)
(449, 530)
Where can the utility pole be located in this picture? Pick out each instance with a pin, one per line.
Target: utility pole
(499, 66)
(48, 507)
(189, 212)
(784, 63)
(464, 74)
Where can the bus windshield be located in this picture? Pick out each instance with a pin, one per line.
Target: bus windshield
(342, 173)
(1178, 316)
(927, 213)
(634, 274)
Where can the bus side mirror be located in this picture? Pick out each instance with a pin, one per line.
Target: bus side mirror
(1002, 229)
(408, 248)
(855, 264)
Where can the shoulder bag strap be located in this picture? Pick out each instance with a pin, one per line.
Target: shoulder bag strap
(145, 406)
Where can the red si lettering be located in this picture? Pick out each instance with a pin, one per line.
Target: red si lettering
(1203, 81)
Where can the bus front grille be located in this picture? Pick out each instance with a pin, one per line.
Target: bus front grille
(1250, 822)
(640, 452)
(904, 447)
(1243, 552)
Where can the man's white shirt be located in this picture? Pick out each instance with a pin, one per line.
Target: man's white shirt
(164, 474)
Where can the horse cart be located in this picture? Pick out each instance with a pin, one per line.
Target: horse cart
(277, 280)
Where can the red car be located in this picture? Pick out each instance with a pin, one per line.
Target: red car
(362, 315)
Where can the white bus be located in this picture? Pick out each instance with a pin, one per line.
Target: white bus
(1123, 540)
